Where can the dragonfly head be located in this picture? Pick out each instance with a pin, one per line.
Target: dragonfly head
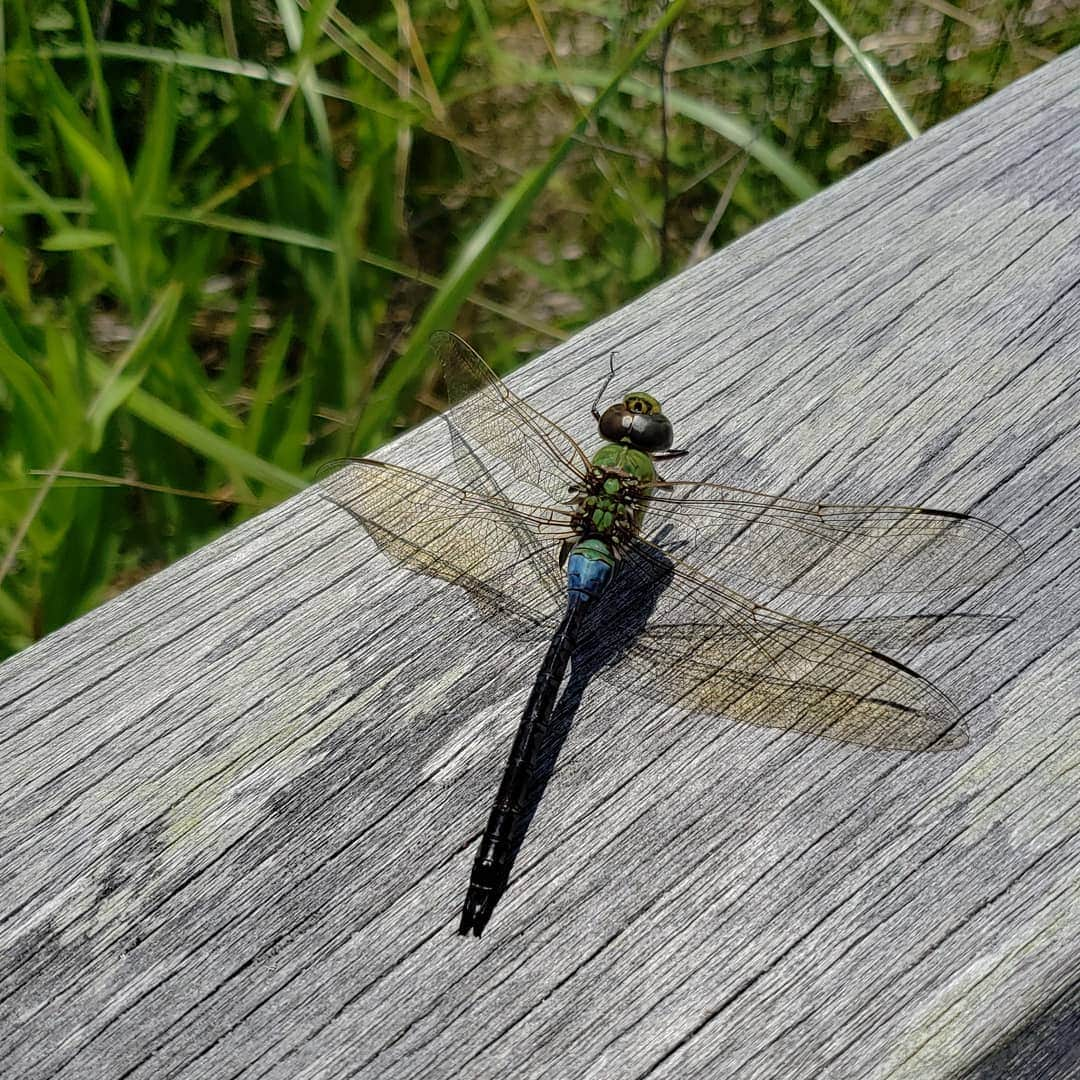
(639, 422)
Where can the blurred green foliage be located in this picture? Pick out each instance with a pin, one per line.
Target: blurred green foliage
(228, 229)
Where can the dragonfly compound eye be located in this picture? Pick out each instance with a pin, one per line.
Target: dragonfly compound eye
(639, 422)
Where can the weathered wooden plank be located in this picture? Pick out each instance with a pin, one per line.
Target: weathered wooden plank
(241, 800)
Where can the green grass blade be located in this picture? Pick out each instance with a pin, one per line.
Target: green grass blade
(487, 241)
(153, 166)
(126, 373)
(15, 272)
(63, 370)
(103, 176)
(27, 519)
(733, 128)
(303, 41)
(93, 59)
(33, 399)
(263, 230)
(247, 69)
(19, 620)
(151, 410)
(288, 451)
(78, 240)
(873, 72)
(266, 385)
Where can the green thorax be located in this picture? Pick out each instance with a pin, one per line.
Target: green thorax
(605, 507)
(617, 456)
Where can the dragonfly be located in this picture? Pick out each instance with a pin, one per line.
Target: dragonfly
(553, 543)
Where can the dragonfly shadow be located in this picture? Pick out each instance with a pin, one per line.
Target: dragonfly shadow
(622, 615)
(610, 628)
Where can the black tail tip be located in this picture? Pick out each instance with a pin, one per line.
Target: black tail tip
(479, 904)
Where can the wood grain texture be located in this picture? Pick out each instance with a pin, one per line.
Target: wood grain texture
(240, 801)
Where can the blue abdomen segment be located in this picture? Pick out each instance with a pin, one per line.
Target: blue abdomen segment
(589, 569)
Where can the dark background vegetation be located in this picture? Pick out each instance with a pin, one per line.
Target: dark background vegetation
(229, 228)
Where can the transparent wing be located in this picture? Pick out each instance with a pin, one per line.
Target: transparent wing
(916, 631)
(699, 644)
(530, 447)
(709, 649)
(492, 548)
(818, 548)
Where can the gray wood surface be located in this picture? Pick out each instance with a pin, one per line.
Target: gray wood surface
(241, 800)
